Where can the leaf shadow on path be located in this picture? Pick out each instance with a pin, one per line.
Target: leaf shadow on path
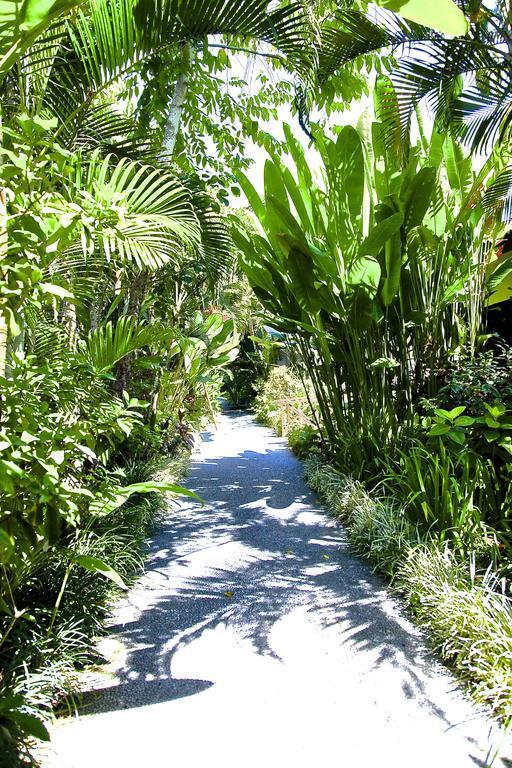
(260, 549)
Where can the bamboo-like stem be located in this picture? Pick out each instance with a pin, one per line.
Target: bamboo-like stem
(59, 597)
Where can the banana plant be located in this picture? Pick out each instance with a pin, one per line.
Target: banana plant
(375, 268)
(196, 357)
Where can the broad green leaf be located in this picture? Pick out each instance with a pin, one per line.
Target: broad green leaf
(385, 363)
(442, 15)
(380, 234)
(439, 429)
(393, 265)
(350, 167)
(281, 219)
(465, 421)
(294, 192)
(274, 184)
(418, 197)
(455, 412)
(29, 724)
(450, 415)
(459, 168)
(21, 21)
(365, 272)
(252, 196)
(114, 498)
(96, 565)
(300, 269)
(500, 284)
(496, 410)
(56, 290)
(304, 175)
(6, 547)
(452, 290)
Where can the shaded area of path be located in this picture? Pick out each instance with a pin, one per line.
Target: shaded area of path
(256, 638)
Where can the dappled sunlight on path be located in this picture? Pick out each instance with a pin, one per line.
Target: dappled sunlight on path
(257, 638)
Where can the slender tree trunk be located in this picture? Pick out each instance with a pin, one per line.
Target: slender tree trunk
(68, 320)
(172, 124)
(94, 315)
(3, 256)
(137, 291)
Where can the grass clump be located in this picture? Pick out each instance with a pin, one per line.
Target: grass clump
(465, 612)
(468, 618)
(379, 530)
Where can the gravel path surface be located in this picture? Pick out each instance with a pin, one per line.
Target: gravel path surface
(256, 638)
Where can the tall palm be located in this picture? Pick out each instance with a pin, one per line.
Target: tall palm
(72, 66)
(65, 70)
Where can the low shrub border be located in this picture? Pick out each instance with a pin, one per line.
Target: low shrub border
(467, 618)
(44, 664)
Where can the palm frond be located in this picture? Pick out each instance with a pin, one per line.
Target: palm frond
(482, 117)
(105, 39)
(153, 215)
(45, 338)
(388, 113)
(111, 342)
(216, 252)
(36, 66)
(497, 199)
(103, 126)
(114, 35)
(22, 23)
(351, 34)
(433, 72)
(465, 81)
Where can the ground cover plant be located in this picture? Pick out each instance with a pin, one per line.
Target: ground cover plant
(465, 610)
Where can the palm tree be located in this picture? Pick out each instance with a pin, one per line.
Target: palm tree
(64, 68)
(467, 81)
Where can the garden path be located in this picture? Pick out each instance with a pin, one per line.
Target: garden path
(256, 638)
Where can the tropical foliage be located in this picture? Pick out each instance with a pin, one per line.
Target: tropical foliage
(371, 266)
(132, 296)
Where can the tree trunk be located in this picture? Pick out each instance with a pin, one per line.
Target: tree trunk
(67, 319)
(172, 124)
(3, 256)
(137, 291)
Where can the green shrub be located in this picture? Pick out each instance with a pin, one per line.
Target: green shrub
(304, 440)
(42, 651)
(378, 530)
(245, 372)
(468, 619)
(281, 384)
(474, 380)
(446, 494)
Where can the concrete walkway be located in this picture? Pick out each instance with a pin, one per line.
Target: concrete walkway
(256, 638)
